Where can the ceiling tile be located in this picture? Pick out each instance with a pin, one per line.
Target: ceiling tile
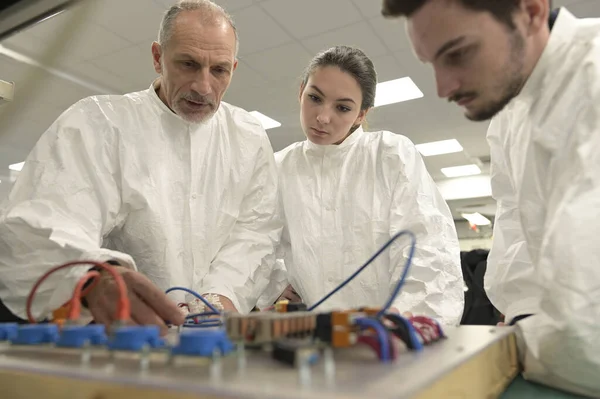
(11, 70)
(392, 32)
(133, 63)
(258, 31)
(244, 85)
(356, 35)
(77, 40)
(228, 5)
(387, 68)
(369, 8)
(285, 62)
(146, 14)
(27, 44)
(99, 77)
(421, 74)
(586, 9)
(281, 103)
(310, 17)
(570, 3)
(231, 5)
(60, 93)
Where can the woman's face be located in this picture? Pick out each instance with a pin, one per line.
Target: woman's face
(330, 104)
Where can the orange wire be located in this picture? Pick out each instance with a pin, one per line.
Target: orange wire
(76, 300)
(124, 306)
(87, 290)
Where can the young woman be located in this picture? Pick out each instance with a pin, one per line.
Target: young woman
(346, 192)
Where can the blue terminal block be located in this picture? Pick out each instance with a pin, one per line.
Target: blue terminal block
(36, 334)
(8, 331)
(78, 336)
(203, 343)
(135, 338)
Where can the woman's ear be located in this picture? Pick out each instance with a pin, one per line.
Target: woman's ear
(302, 85)
(362, 115)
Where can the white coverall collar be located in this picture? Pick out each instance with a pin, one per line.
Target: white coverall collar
(334, 149)
(558, 44)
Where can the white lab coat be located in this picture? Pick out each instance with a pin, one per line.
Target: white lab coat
(341, 203)
(186, 204)
(546, 177)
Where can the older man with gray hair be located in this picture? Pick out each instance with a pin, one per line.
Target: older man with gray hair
(170, 183)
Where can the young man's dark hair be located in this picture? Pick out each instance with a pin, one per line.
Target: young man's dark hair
(502, 10)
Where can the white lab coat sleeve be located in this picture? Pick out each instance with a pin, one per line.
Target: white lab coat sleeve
(561, 340)
(277, 284)
(65, 200)
(509, 281)
(434, 286)
(279, 279)
(243, 266)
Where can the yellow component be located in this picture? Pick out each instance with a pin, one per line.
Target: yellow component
(340, 325)
(59, 316)
(281, 306)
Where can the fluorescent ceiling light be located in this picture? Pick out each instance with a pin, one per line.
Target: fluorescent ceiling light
(16, 166)
(396, 91)
(477, 219)
(465, 187)
(265, 121)
(439, 147)
(458, 171)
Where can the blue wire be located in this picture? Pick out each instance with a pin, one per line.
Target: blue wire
(379, 252)
(382, 336)
(202, 325)
(204, 314)
(194, 293)
(413, 245)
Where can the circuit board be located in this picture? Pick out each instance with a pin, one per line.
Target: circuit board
(446, 368)
(289, 350)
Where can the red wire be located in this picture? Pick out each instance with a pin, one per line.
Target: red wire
(372, 342)
(425, 321)
(420, 332)
(429, 322)
(123, 308)
(76, 300)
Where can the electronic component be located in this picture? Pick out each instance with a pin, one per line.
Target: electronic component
(79, 336)
(203, 343)
(266, 327)
(8, 331)
(36, 334)
(135, 338)
(295, 352)
(287, 306)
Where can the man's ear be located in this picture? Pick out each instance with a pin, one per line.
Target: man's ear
(537, 12)
(157, 57)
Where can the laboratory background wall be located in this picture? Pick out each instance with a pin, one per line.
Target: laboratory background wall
(103, 47)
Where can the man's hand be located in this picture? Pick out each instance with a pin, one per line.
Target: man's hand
(149, 305)
(289, 294)
(224, 302)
